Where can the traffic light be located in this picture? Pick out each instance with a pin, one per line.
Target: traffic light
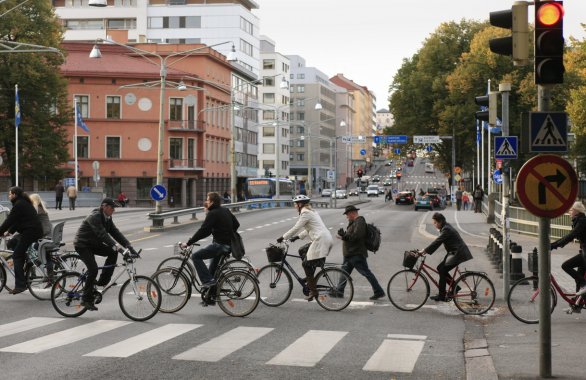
(517, 44)
(488, 104)
(359, 173)
(549, 42)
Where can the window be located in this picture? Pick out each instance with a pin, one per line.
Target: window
(193, 22)
(112, 107)
(268, 115)
(300, 157)
(268, 131)
(300, 130)
(269, 81)
(176, 148)
(112, 147)
(83, 102)
(122, 24)
(268, 164)
(268, 98)
(83, 147)
(301, 76)
(300, 115)
(246, 48)
(176, 109)
(268, 148)
(143, 188)
(191, 152)
(246, 26)
(268, 64)
(300, 88)
(112, 188)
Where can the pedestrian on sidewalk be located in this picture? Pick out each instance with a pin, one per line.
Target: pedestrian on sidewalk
(465, 200)
(355, 252)
(478, 195)
(72, 195)
(459, 198)
(59, 190)
(578, 214)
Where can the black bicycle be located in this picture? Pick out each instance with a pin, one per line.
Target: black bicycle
(276, 283)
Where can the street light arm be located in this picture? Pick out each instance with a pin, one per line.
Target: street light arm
(21, 47)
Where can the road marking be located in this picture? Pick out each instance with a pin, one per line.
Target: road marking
(218, 348)
(145, 238)
(26, 324)
(405, 336)
(144, 341)
(65, 337)
(395, 355)
(309, 349)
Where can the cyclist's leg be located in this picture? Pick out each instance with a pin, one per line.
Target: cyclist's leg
(19, 259)
(211, 251)
(111, 259)
(361, 266)
(578, 275)
(221, 250)
(444, 269)
(86, 255)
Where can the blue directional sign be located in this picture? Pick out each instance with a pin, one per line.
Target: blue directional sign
(548, 132)
(377, 139)
(363, 152)
(158, 193)
(498, 177)
(399, 139)
(397, 151)
(429, 148)
(506, 147)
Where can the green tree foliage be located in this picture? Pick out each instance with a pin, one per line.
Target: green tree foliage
(42, 91)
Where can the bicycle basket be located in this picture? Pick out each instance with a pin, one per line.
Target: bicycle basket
(275, 253)
(409, 259)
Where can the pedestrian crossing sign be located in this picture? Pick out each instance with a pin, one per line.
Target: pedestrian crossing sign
(506, 147)
(548, 132)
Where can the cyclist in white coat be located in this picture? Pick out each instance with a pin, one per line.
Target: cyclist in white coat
(310, 224)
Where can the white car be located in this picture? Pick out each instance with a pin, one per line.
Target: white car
(340, 194)
(372, 190)
(326, 193)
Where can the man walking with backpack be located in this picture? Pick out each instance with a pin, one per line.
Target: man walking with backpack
(478, 195)
(355, 251)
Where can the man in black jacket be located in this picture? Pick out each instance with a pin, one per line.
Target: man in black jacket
(98, 235)
(220, 223)
(355, 252)
(23, 218)
(457, 252)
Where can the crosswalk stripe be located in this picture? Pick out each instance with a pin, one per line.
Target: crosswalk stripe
(395, 356)
(144, 341)
(26, 324)
(65, 337)
(309, 349)
(218, 348)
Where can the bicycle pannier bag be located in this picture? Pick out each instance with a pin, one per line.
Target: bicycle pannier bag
(409, 259)
(372, 237)
(237, 246)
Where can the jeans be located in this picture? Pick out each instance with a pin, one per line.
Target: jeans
(19, 258)
(578, 275)
(88, 258)
(72, 203)
(444, 269)
(213, 251)
(359, 262)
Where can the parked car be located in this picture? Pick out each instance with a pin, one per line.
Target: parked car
(404, 198)
(372, 191)
(340, 194)
(423, 201)
(326, 193)
(353, 192)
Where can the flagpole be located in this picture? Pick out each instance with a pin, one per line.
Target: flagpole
(75, 111)
(16, 131)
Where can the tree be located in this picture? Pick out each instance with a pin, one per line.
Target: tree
(42, 92)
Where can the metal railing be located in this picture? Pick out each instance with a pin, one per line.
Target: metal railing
(185, 164)
(159, 219)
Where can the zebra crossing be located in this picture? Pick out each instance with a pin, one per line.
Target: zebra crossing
(396, 353)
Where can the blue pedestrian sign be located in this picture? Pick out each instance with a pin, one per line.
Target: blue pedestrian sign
(506, 147)
(158, 193)
(397, 139)
(397, 151)
(377, 139)
(498, 177)
(429, 148)
(548, 132)
(363, 152)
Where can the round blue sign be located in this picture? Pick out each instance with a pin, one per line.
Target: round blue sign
(498, 177)
(158, 193)
(429, 148)
(397, 151)
(363, 152)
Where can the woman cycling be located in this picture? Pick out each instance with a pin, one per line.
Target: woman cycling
(310, 224)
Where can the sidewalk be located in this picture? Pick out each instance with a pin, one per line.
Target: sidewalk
(82, 212)
(513, 346)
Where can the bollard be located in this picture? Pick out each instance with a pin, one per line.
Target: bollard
(516, 262)
(532, 264)
(498, 259)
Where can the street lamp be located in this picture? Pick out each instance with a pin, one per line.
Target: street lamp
(95, 53)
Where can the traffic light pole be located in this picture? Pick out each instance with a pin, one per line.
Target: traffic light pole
(504, 89)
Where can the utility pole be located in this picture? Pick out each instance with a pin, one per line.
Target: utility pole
(504, 89)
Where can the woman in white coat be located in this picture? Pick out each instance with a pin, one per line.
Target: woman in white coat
(310, 224)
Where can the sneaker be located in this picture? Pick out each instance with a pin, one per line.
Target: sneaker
(582, 291)
(17, 290)
(439, 298)
(573, 310)
(377, 296)
(89, 305)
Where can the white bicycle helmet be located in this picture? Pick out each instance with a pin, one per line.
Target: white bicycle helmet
(301, 198)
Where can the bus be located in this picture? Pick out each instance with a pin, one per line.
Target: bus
(266, 188)
(429, 168)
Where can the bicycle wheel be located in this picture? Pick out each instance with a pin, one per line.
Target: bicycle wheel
(328, 281)
(175, 262)
(275, 285)
(66, 295)
(524, 300)
(408, 290)
(140, 299)
(175, 289)
(238, 265)
(39, 284)
(2, 277)
(72, 262)
(237, 293)
(476, 294)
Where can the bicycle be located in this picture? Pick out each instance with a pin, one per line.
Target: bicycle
(524, 302)
(236, 292)
(44, 263)
(408, 289)
(276, 283)
(139, 297)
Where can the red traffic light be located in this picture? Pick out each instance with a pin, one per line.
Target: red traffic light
(550, 14)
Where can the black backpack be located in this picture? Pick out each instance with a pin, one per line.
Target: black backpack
(372, 237)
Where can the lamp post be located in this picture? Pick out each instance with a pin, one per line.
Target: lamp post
(163, 65)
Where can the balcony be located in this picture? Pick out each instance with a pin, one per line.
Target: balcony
(189, 164)
(186, 125)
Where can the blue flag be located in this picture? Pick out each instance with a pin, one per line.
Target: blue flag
(16, 108)
(80, 122)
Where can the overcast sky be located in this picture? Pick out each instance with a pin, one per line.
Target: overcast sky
(367, 40)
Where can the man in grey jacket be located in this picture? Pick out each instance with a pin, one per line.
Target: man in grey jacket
(355, 252)
(98, 235)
